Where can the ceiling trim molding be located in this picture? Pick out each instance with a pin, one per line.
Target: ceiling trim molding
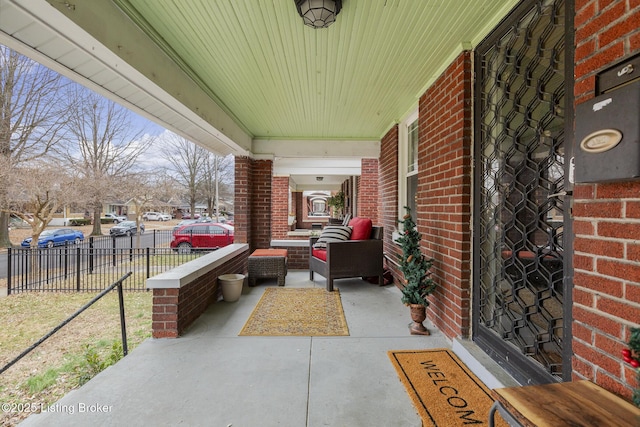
(262, 156)
(305, 148)
(167, 89)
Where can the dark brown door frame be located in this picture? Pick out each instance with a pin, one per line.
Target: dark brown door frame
(507, 355)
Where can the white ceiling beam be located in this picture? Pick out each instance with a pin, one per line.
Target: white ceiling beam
(316, 171)
(305, 148)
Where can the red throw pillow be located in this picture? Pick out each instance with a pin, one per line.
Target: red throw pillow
(360, 228)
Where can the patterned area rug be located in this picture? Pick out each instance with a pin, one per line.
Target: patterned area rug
(443, 389)
(297, 312)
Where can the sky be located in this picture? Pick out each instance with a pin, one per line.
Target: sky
(153, 159)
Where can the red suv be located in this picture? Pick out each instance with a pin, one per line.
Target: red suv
(202, 235)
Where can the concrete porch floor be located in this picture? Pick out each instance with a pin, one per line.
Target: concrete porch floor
(211, 376)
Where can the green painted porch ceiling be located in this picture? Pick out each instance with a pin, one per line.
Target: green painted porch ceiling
(279, 79)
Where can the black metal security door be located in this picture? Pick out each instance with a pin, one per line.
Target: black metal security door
(520, 285)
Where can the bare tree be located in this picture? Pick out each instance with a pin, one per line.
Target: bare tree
(226, 177)
(168, 191)
(40, 190)
(188, 160)
(33, 113)
(216, 173)
(144, 191)
(106, 147)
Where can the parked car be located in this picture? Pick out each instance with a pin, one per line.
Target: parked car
(125, 228)
(192, 221)
(56, 237)
(116, 218)
(16, 222)
(201, 235)
(156, 216)
(187, 215)
(185, 222)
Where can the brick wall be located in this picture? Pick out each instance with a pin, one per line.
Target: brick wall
(606, 296)
(174, 310)
(252, 205)
(444, 193)
(350, 191)
(368, 190)
(279, 207)
(297, 256)
(293, 209)
(388, 182)
(242, 199)
(606, 216)
(298, 201)
(261, 204)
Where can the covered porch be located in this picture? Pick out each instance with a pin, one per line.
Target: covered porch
(465, 110)
(212, 376)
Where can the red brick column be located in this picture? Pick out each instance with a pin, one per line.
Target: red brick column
(368, 190)
(606, 260)
(242, 199)
(279, 207)
(297, 201)
(261, 204)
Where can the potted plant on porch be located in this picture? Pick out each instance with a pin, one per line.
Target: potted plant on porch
(337, 203)
(415, 267)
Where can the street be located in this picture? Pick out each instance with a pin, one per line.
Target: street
(150, 239)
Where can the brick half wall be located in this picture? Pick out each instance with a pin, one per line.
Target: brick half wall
(297, 252)
(176, 308)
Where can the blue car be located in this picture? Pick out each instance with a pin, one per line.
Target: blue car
(56, 237)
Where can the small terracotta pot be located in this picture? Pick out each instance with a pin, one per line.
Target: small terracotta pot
(418, 315)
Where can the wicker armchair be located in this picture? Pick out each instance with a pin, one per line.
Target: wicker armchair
(351, 258)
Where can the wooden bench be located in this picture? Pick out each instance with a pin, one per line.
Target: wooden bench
(571, 404)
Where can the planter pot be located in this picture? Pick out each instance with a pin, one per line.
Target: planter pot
(418, 315)
(231, 286)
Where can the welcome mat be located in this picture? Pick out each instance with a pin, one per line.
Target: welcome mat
(443, 389)
(297, 312)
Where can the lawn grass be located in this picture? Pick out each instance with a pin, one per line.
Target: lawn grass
(70, 357)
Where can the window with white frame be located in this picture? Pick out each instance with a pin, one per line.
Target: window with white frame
(408, 163)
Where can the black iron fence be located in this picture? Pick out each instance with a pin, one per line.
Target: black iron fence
(87, 269)
(149, 239)
(123, 326)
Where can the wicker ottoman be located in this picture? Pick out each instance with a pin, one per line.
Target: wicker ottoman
(268, 263)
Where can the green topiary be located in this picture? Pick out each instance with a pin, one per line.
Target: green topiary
(418, 284)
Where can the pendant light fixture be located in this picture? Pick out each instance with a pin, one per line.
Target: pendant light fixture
(318, 13)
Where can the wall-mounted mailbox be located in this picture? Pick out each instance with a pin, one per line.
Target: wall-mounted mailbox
(608, 129)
